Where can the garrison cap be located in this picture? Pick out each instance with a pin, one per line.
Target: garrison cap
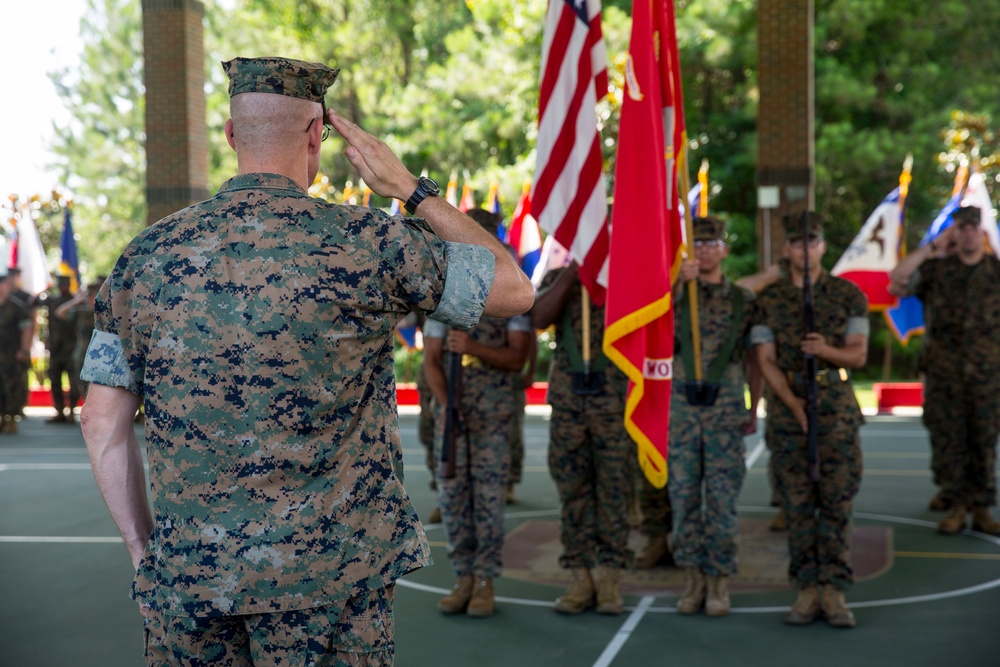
(281, 76)
(709, 229)
(793, 225)
(966, 215)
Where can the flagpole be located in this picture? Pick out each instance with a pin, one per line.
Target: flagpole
(904, 189)
(585, 337)
(692, 284)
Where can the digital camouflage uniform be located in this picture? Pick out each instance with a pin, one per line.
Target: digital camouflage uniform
(517, 430)
(61, 343)
(21, 383)
(819, 514)
(706, 442)
(82, 319)
(472, 503)
(14, 319)
(962, 375)
(257, 327)
(590, 453)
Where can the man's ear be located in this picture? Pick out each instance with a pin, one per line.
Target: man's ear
(315, 138)
(230, 137)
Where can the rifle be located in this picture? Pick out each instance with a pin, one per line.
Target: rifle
(812, 390)
(452, 418)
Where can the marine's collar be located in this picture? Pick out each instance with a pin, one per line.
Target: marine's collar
(258, 181)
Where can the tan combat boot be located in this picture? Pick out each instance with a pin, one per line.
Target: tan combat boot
(806, 607)
(984, 523)
(654, 551)
(511, 495)
(938, 503)
(456, 601)
(694, 592)
(10, 424)
(481, 604)
(954, 523)
(779, 523)
(717, 599)
(609, 591)
(634, 513)
(435, 515)
(580, 594)
(835, 608)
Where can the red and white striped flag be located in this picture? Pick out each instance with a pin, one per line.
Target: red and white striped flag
(569, 197)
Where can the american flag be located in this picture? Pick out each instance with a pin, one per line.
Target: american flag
(569, 194)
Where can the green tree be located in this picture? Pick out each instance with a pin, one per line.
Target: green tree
(100, 151)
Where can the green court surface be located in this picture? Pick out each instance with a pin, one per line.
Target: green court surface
(921, 598)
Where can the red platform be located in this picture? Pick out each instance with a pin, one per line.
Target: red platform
(889, 395)
(406, 394)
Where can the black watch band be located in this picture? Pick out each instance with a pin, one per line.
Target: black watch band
(425, 188)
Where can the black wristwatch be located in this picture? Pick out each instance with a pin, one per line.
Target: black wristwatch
(425, 188)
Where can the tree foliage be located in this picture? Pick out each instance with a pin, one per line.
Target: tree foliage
(100, 151)
(451, 86)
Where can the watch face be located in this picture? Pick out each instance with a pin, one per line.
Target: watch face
(430, 185)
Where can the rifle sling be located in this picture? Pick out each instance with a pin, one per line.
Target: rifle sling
(725, 355)
(567, 341)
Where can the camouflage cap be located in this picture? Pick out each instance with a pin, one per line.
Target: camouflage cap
(709, 229)
(967, 215)
(281, 76)
(793, 225)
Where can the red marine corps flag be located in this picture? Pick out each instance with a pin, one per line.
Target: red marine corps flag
(646, 231)
(569, 194)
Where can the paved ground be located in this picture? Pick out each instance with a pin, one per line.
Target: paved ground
(922, 598)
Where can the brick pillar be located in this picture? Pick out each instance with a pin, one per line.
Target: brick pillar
(785, 121)
(176, 138)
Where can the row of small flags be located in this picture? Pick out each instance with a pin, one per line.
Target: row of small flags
(25, 252)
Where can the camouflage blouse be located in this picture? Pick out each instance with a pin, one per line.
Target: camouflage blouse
(257, 327)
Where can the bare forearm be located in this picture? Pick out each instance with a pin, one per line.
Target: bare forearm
(899, 277)
(505, 358)
(106, 421)
(433, 372)
(512, 292)
(549, 304)
(775, 379)
(852, 355)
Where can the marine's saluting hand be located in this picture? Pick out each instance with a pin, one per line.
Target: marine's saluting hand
(378, 166)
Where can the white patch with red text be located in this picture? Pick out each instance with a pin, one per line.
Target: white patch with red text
(658, 369)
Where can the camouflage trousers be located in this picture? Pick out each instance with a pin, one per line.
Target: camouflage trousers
(425, 425)
(657, 514)
(9, 387)
(60, 364)
(706, 474)
(819, 513)
(589, 460)
(359, 634)
(964, 422)
(472, 504)
(517, 435)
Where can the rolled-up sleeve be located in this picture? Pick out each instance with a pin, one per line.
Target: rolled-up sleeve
(105, 363)
(761, 334)
(859, 325)
(467, 284)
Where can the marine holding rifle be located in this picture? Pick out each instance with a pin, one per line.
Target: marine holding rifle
(473, 413)
(708, 420)
(590, 452)
(818, 510)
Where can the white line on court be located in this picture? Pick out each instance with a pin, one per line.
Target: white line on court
(625, 632)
